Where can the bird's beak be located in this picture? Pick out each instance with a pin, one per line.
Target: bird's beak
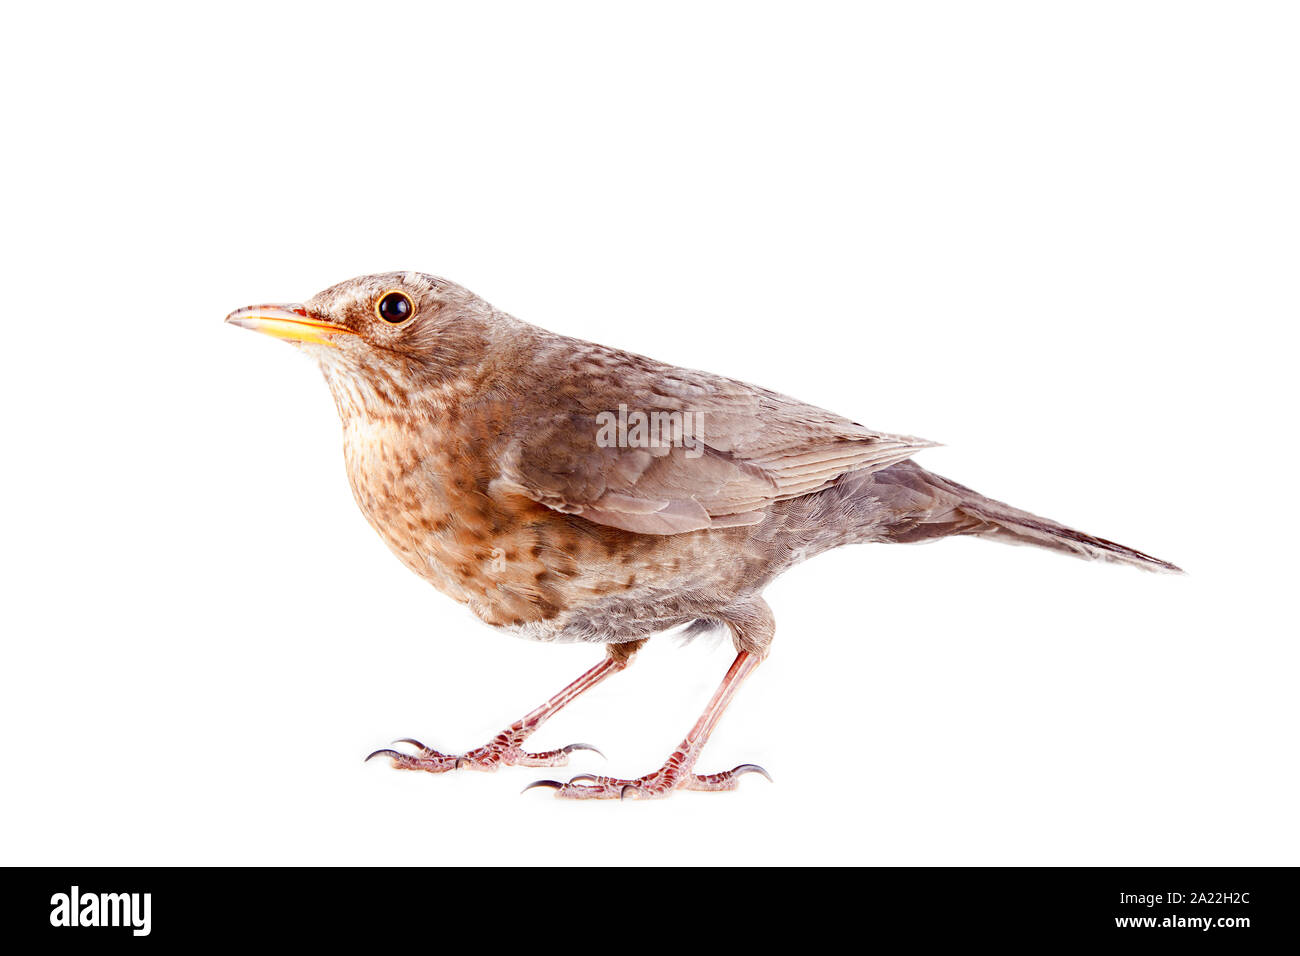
(291, 322)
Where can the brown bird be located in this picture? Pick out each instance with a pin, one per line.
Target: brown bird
(566, 491)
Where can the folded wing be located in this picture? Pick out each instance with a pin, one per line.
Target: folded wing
(731, 451)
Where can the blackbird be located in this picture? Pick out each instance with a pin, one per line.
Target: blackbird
(566, 491)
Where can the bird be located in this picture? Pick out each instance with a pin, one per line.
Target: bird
(566, 491)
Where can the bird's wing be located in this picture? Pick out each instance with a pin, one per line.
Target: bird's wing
(732, 450)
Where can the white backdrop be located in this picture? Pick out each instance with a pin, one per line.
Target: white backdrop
(1060, 239)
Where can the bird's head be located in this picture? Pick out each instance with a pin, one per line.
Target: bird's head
(379, 338)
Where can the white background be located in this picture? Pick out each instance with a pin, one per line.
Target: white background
(1061, 239)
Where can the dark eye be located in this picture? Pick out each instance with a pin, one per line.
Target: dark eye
(394, 307)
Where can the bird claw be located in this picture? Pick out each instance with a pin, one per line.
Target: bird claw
(588, 786)
(503, 750)
(427, 759)
(412, 741)
(577, 788)
(572, 747)
(551, 758)
(727, 780)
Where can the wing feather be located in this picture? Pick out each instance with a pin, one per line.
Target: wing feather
(750, 447)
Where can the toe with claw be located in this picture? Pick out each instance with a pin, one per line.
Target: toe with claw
(661, 783)
(506, 749)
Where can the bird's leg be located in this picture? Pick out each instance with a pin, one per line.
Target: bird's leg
(506, 748)
(677, 772)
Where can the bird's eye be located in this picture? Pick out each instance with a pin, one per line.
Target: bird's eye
(394, 307)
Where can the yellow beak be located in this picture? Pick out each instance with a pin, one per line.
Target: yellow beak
(290, 322)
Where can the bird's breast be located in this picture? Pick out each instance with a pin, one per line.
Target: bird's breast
(429, 496)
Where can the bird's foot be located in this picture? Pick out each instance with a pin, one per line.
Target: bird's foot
(505, 749)
(661, 783)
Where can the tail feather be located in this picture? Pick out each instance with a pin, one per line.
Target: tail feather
(949, 508)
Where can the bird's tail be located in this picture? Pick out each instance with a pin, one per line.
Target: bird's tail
(929, 506)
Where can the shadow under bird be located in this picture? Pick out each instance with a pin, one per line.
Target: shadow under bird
(566, 491)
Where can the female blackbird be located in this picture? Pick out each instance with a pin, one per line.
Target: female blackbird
(566, 491)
